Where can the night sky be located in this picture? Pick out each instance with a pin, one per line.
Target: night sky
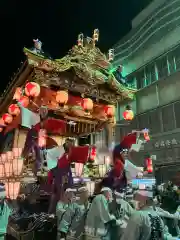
(57, 23)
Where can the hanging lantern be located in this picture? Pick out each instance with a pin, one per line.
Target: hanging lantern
(1, 171)
(128, 114)
(14, 110)
(87, 104)
(149, 165)
(92, 154)
(17, 94)
(17, 166)
(24, 101)
(91, 187)
(12, 189)
(9, 155)
(79, 169)
(8, 169)
(102, 170)
(62, 97)
(32, 89)
(3, 157)
(17, 152)
(42, 138)
(7, 118)
(110, 111)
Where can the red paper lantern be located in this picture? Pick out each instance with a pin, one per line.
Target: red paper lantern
(92, 154)
(128, 115)
(149, 165)
(7, 118)
(32, 89)
(109, 110)
(62, 97)
(24, 101)
(14, 110)
(87, 104)
(17, 94)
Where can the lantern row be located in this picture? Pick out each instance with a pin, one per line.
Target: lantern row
(11, 166)
(32, 90)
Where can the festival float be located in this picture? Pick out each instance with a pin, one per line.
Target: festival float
(50, 101)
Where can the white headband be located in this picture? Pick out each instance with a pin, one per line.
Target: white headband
(144, 193)
(70, 190)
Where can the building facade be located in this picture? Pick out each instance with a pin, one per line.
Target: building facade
(150, 55)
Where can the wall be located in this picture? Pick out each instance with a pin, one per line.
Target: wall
(150, 9)
(158, 94)
(158, 110)
(150, 39)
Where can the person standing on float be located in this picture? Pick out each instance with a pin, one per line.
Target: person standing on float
(123, 169)
(60, 177)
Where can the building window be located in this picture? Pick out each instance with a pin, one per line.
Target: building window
(140, 79)
(171, 63)
(131, 81)
(176, 54)
(150, 74)
(162, 67)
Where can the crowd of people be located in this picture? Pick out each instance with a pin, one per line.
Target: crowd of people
(132, 214)
(116, 210)
(113, 215)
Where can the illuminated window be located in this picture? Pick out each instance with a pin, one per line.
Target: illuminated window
(176, 54)
(171, 63)
(150, 74)
(140, 79)
(162, 67)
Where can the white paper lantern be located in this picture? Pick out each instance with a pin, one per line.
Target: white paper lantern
(79, 169)
(90, 186)
(12, 189)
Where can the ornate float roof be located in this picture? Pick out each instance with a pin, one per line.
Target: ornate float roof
(84, 72)
(85, 69)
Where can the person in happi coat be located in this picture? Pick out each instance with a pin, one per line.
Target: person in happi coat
(99, 219)
(63, 205)
(73, 221)
(5, 212)
(60, 177)
(146, 224)
(122, 211)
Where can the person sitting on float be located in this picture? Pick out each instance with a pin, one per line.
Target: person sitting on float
(123, 169)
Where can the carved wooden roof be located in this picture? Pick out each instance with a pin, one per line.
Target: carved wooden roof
(84, 70)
